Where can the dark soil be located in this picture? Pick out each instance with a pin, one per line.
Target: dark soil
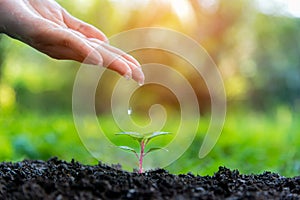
(56, 179)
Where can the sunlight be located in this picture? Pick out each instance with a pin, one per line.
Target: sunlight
(280, 7)
(209, 5)
(294, 7)
(133, 4)
(182, 8)
(184, 11)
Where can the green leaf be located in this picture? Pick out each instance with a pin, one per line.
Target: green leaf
(136, 136)
(156, 134)
(155, 149)
(126, 148)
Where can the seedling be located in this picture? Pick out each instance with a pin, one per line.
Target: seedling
(143, 140)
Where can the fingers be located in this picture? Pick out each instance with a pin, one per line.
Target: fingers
(118, 61)
(117, 51)
(86, 29)
(110, 54)
(49, 10)
(113, 62)
(137, 73)
(63, 44)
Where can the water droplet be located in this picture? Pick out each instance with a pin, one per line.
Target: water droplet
(129, 111)
(141, 83)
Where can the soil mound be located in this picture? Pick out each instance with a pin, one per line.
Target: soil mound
(57, 179)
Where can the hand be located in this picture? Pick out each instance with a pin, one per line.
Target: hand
(46, 26)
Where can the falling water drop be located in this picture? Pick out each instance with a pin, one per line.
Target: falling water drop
(129, 111)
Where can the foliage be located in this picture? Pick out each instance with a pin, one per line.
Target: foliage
(143, 140)
(37, 136)
(277, 61)
(254, 143)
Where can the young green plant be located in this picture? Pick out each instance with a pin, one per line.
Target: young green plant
(143, 140)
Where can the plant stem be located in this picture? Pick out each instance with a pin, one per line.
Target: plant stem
(141, 156)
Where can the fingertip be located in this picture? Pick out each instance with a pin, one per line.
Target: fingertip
(92, 32)
(121, 67)
(141, 82)
(138, 76)
(132, 59)
(104, 38)
(99, 35)
(137, 73)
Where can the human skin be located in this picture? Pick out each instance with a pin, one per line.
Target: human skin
(49, 28)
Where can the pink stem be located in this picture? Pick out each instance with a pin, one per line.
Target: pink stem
(141, 157)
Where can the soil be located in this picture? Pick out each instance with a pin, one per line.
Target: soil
(56, 179)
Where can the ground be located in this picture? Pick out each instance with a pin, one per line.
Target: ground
(57, 179)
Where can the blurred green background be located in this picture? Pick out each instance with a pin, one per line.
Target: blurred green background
(255, 44)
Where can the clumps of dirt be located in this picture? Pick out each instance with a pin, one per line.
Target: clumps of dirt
(57, 179)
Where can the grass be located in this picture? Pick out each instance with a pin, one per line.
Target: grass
(251, 142)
